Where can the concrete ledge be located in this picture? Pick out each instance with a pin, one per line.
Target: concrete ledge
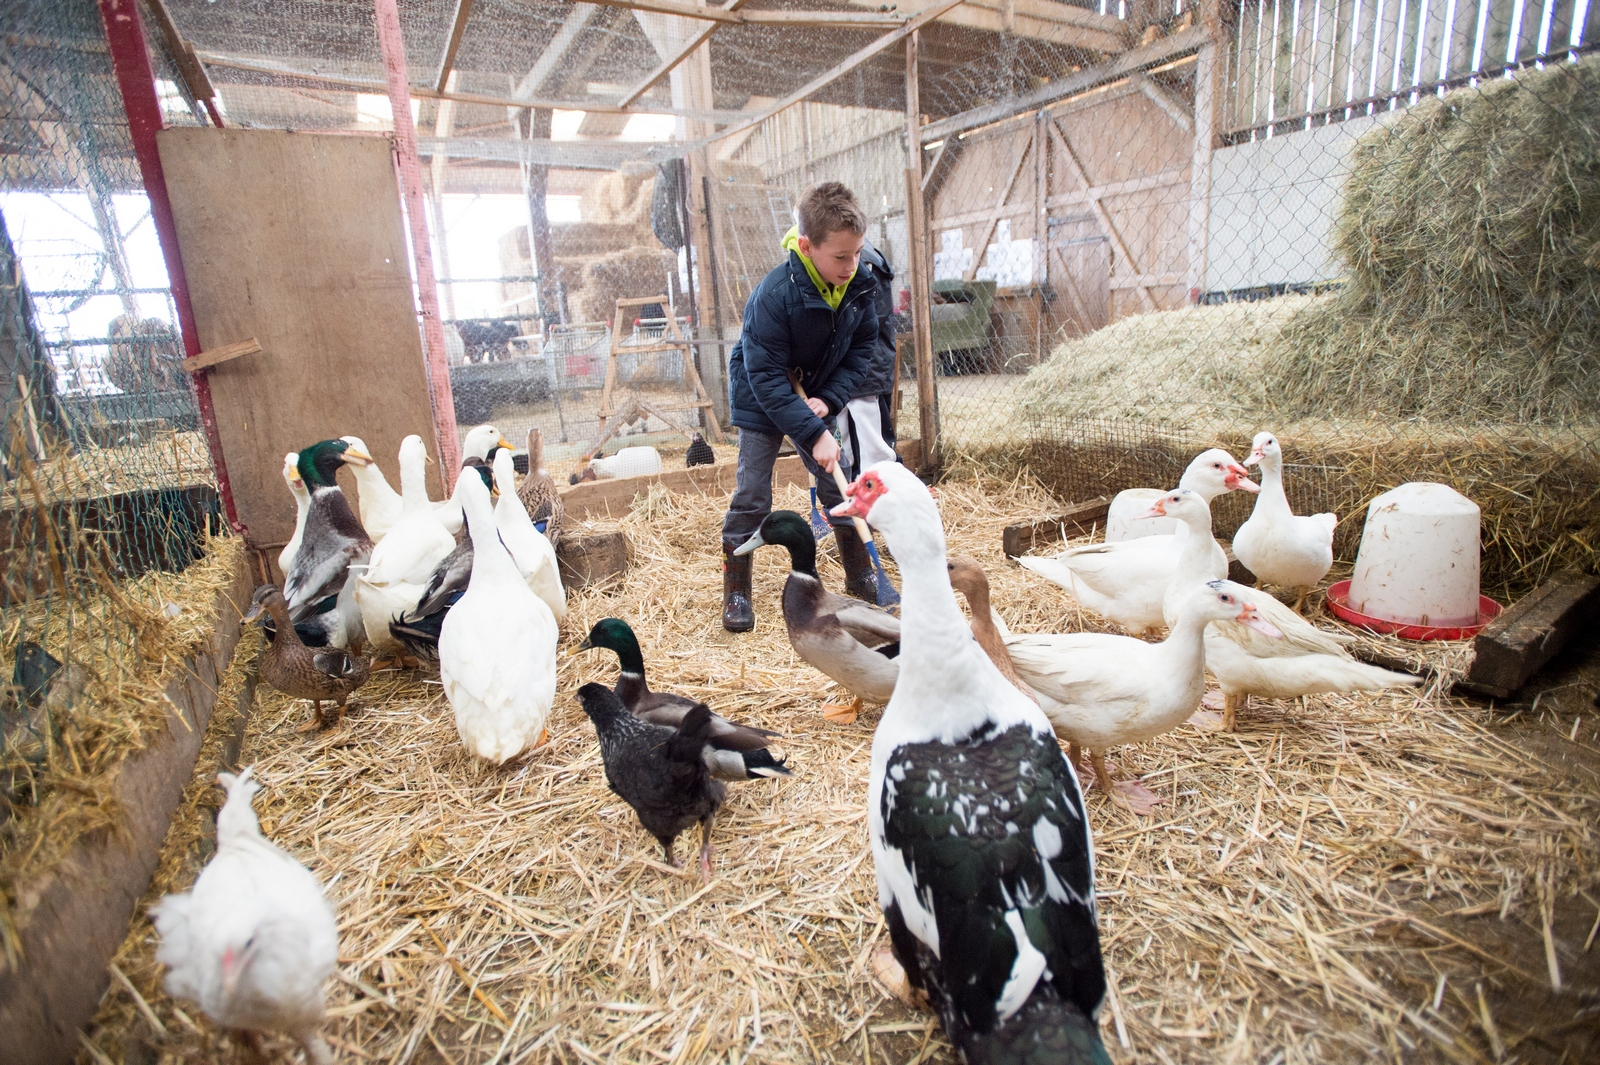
(71, 922)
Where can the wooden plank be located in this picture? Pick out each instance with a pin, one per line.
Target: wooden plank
(853, 19)
(993, 217)
(667, 65)
(921, 272)
(296, 239)
(1077, 520)
(70, 922)
(926, 15)
(593, 558)
(1100, 211)
(207, 359)
(1513, 646)
(614, 498)
(1153, 54)
(458, 27)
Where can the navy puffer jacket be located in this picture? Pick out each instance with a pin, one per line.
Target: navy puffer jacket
(880, 378)
(787, 325)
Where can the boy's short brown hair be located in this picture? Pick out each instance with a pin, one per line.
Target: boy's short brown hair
(828, 208)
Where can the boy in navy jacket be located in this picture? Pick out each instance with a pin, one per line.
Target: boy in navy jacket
(811, 320)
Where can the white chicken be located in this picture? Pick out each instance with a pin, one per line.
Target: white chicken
(254, 940)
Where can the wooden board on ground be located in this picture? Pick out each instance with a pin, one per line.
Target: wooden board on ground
(1513, 646)
(614, 498)
(1077, 520)
(296, 239)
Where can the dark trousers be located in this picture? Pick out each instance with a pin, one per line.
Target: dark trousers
(752, 496)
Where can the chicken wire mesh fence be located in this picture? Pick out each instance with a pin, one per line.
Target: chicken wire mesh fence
(1147, 225)
(107, 494)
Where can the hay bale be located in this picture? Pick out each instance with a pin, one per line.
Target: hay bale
(1170, 365)
(625, 274)
(621, 196)
(1470, 227)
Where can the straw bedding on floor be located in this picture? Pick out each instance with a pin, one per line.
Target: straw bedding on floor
(1355, 877)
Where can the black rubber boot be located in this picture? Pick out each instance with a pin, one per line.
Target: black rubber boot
(859, 579)
(738, 613)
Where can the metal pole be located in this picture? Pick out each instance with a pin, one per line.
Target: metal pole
(387, 16)
(130, 58)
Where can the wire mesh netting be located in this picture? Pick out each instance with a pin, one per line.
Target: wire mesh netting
(108, 499)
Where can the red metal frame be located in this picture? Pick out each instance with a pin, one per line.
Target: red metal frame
(387, 16)
(130, 58)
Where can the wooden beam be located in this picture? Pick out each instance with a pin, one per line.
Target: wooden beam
(993, 217)
(207, 359)
(1100, 211)
(1153, 54)
(667, 65)
(447, 62)
(731, 145)
(189, 66)
(551, 59)
(1038, 19)
(1165, 100)
(1210, 90)
(427, 92)
(1514, 646)
(780, 17)
(1080, 519)
(921, 273)
(927, 15)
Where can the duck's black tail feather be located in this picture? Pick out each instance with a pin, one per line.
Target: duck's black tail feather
(758, 764)
(1045, 1031)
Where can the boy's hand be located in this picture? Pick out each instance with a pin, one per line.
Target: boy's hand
(818, 407)
(826, 450)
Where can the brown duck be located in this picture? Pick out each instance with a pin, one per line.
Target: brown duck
(323, 675)
(538, 492)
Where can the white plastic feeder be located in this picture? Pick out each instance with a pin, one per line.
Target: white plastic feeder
(1418, 562)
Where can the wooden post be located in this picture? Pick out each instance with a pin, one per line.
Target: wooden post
(921, 263)
(1041, 226)
(130, 58)
(1210, 87)
(387, 16)
(692, 90)
(535, 186)
(443, 126)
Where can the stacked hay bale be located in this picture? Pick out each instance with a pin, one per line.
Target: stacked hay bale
(1471, 230)
(1464, 347)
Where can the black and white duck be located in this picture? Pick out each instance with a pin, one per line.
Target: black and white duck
(733, 752)
(984, 861)
(853, 642)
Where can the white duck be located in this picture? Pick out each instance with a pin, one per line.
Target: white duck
(402, 565)
(976, 820)
(480, 440)
(254, 940)
(497, 645)
(1276, 545)
(302, 504)
(1123, 519)
(1100, 690)
(530, 549)
(1125, 581)
(380, 505)
(1305, 661)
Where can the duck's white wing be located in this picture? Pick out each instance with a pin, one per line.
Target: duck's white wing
(1079, 667)
(1300, 637)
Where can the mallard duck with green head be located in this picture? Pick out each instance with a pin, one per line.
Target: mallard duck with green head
(733, 751)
